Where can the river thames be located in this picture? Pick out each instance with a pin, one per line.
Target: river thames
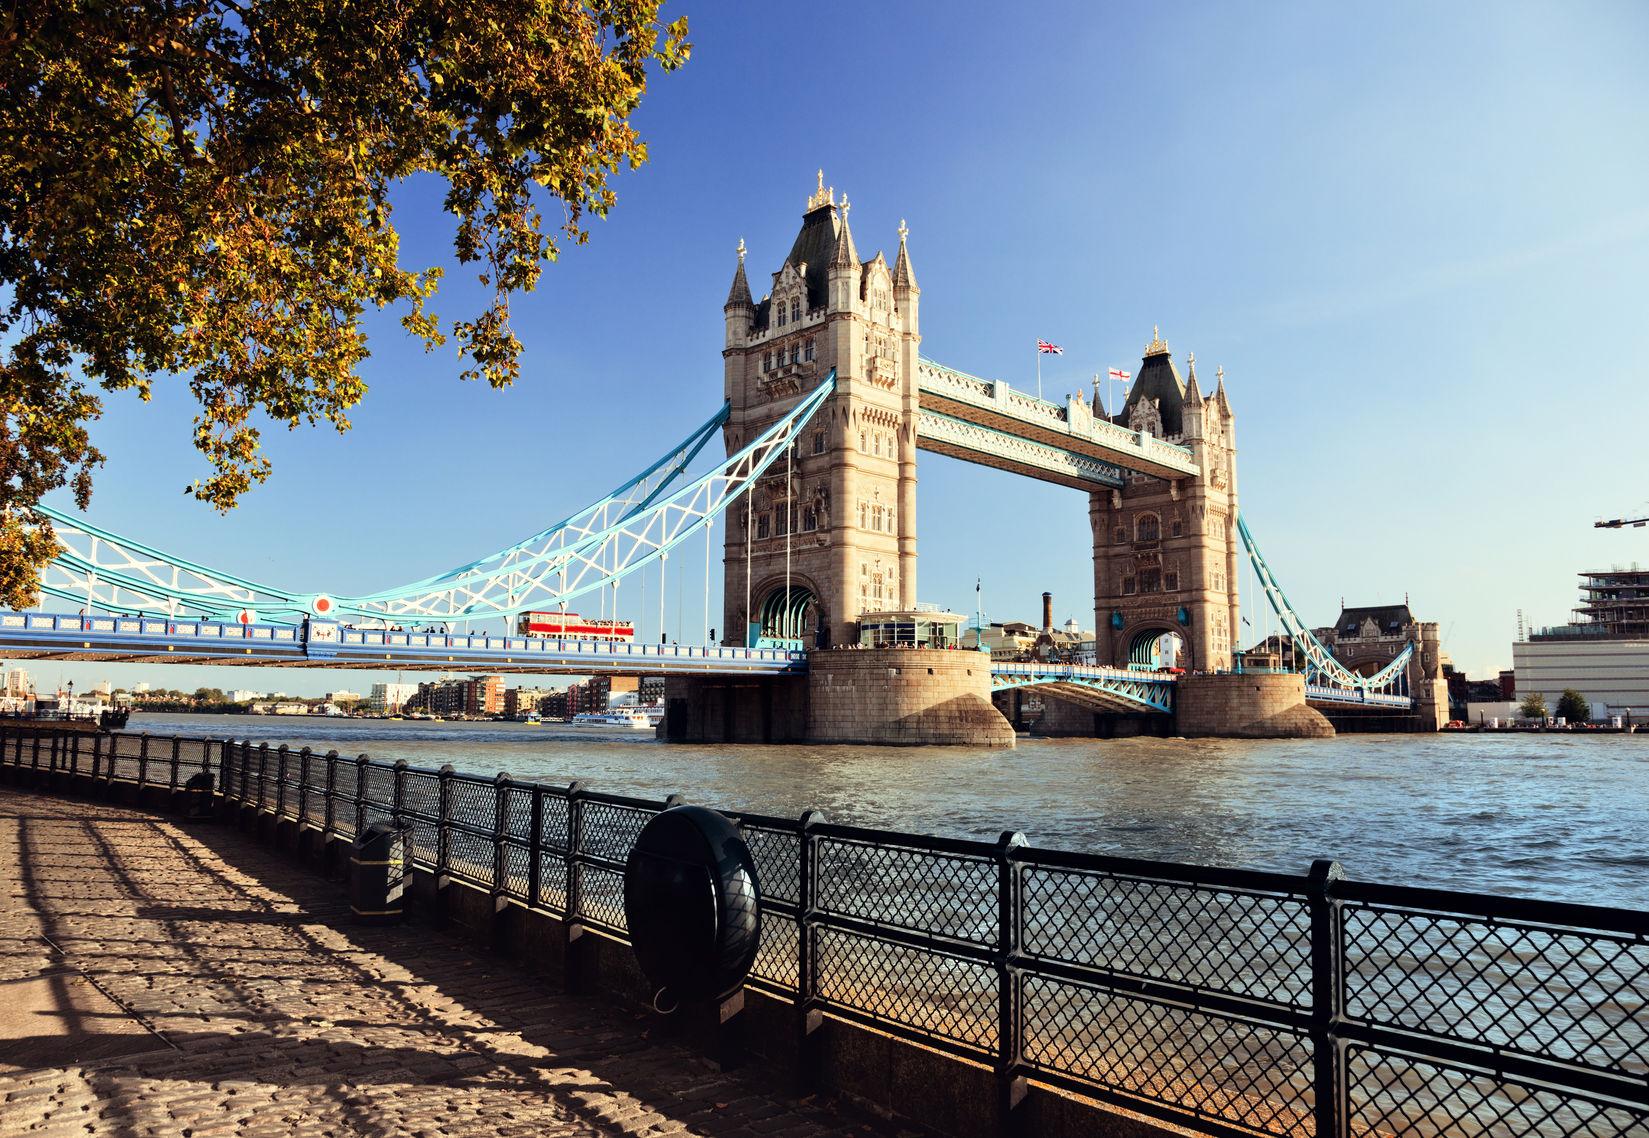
(1554, 816)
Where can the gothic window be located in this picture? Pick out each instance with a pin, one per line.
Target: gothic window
(781, 521)
(1121, 535)
(876, 517)
(818, 442)
(778, 313)
(810, 519)
(862, 447)
(807, 352)
(864, 516)
(795, 311)
(876, 442)
(1170, 581)
(767, 360)
(795, 353)
(1177, 528)
(1147, 528)
(762, 525)
(1127, 586)
(1150, 580)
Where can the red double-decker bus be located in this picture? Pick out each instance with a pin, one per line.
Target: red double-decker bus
(571, 626)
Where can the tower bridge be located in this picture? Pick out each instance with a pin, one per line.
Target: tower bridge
(827, 400)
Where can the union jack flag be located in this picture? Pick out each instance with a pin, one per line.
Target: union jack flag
(1049, 349)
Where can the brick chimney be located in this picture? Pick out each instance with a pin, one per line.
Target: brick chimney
(1047, 612)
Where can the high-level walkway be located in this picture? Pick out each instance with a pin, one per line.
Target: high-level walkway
(161, 979)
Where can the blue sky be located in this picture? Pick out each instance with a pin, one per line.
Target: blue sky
(1416, 236)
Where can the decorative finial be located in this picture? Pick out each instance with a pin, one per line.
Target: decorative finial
(1191, 358)
(845, 207)
(741, 250)
(1156, 346)
(904, 231)
(821, 196)
(1219, 374)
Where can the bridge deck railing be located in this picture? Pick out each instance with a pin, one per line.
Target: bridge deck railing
(1230, 1002)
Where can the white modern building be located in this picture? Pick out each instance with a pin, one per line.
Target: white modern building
(388, 699)
(1614, 673)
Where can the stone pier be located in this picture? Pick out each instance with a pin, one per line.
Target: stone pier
(1239, 705)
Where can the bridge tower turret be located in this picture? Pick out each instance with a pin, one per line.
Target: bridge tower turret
(1166, 550)
(847, 498)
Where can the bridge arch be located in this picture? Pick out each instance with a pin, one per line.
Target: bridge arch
(790, 611)
(1146, 648)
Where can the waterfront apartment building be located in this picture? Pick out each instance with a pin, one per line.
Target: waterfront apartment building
(1603, 653)
(524, 701)
(484, 695)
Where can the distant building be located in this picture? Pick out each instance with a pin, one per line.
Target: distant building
(1603, 653)
(18, 684)
(519, 702)
(651, 689)
(140, 689)
(389, 699)
(103, 688)
(484, 695)
(440, 697)
(343, 696)
(239, 695)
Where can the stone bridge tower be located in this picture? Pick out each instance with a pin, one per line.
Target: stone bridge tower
(1166, 552)
(846, 499)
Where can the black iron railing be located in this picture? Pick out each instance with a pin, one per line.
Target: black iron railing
(1227, 1001)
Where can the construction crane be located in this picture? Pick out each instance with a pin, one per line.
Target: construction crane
(1621, 523)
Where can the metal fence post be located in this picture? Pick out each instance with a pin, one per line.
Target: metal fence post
(51, 754)
(34, 752)
(1328, 993)
(572, 929)
(500, 828)
(361, 762)
(1010, 1075)
(304, 757)
(398, 802)
(808, 1015)
(282, 755)
(263, 775)
(177, 744)
(330, 825)
(143, 760)
(443, 824)
(74, 757)
(535, 847)
(97, 755)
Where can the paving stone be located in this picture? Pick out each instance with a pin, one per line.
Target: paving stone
(281, 1018)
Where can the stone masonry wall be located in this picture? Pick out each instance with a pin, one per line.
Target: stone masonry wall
(1247, 706)
(903, 696)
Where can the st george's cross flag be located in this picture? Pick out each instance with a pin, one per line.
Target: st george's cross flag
(1049, 349)
(1120, 376)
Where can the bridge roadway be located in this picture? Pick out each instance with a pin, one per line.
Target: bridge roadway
(150, 640)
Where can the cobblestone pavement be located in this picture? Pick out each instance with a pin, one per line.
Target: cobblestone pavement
(235, 998)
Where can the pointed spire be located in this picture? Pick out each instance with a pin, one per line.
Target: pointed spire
(739, 294)
(1219, 392)
(845, 256)
(1192, 393)
(904, 277)
(1099, 408)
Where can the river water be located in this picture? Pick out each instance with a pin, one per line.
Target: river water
(1554, 816)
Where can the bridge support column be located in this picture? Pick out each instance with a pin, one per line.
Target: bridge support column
(1249, 705)
(903, 696)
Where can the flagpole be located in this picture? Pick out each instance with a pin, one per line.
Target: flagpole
(1039, 370)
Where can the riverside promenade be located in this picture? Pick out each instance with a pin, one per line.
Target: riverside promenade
(160, 978)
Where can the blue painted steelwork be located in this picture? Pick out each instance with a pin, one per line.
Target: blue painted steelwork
(1113, 689)
(1325, 676)
(625, 531)
(26, 635)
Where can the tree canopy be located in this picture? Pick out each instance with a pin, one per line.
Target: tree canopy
(1574, 706)
(200, 188)
(1534, 706)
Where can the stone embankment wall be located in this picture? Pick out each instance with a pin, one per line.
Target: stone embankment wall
(1247, 706)
(903, 696)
